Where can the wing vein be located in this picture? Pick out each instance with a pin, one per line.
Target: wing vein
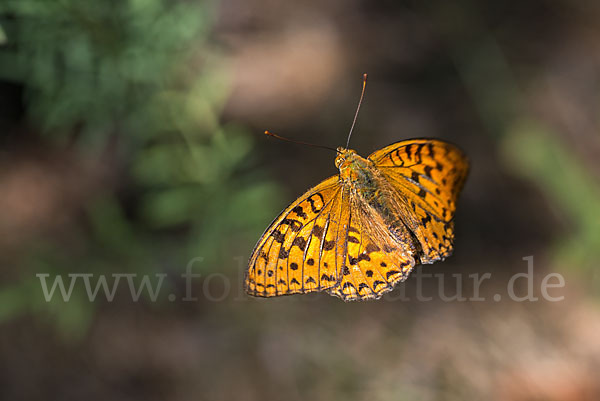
(311, 234)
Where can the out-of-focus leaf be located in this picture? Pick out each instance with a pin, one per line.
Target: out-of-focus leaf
(171, 207)
(533, 152)
(3, 38)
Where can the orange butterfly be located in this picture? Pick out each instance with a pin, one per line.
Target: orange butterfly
(358, 233)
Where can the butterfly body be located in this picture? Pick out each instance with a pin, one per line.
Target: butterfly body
(357, 234)
(370, 189)
(358, 173)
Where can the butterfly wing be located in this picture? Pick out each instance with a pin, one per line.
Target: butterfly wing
(375, 261)
(429, 174)
(301, 251)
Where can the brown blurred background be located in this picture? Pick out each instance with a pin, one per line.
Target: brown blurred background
(131, 143)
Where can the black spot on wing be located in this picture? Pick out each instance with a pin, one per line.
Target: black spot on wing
(352, 239)
(299, 211)
(418, 152)
(391, 273)
(377, 283)
(278, 236)
(295, 225)
(430, 148)
(299, 242)
(317, 231)
(362, 256)
(328, 245)
(372, 248)
(312, 202)
(426, 220)
(325, 277)
(397, 154)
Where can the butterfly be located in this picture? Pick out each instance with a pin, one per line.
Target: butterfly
(359, 233)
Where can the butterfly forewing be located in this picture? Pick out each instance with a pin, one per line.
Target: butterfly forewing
(429, 174)
(298, 253)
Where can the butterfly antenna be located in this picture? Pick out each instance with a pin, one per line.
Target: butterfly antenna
(362, 94)
(299, 142)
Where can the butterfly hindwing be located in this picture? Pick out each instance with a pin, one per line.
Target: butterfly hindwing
(375, 261)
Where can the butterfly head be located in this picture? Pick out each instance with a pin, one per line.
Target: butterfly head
(352, 167)
(344, 157)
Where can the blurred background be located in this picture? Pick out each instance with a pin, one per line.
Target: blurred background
(131, 143)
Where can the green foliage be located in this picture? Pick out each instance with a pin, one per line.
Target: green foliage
(101, 66)
(145, 75)
(534, 153)
(2, 36)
